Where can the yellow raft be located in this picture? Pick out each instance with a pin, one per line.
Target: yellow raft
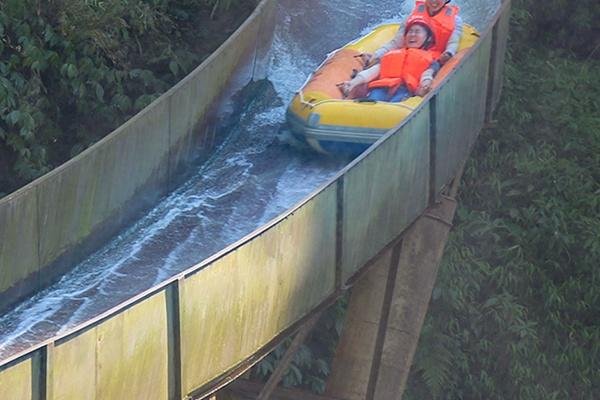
(320, 116)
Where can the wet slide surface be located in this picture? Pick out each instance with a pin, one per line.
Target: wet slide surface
(249, 180)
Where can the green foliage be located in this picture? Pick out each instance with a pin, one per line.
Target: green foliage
(516, 307)
(311, 364)
(559, 24)
(72, 70)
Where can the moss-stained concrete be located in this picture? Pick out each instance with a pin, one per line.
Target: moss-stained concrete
(17, 380)
(351, 369)
(83, 193)
(238, 304)
(124, 357)
(268, 12)
(192, 98)
(18, 238)
(385, 192)
(73, 368)
(421, 252)
(91, 195)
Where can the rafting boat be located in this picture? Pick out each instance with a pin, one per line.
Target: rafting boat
(320, 116)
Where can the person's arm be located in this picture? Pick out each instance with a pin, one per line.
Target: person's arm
(427, 79)
(453, 41)
(396, 43)
(364, 76)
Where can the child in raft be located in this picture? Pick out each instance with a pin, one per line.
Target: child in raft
(401, 73)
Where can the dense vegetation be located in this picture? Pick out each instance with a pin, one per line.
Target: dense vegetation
(73, 70)
(570, 26)
(516, 310)
(515, 313)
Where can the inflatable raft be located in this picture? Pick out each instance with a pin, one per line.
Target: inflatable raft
(320, 116)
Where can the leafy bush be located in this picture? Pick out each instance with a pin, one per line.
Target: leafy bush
(72, 70)
(515, 310)
(310, 366)
(559, 25)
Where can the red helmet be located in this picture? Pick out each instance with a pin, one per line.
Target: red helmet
(416, 19)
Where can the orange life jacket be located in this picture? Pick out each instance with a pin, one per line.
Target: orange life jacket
(442, 24)
(404, 66)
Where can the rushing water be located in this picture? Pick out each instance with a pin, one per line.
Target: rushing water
(250, 179)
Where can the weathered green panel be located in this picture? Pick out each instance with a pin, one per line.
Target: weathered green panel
(124, 357)
(499, 51)
(385, 192)
(132, 352)
(88, 197)
(460, 112)
(18, 238)
(192, 98)
(17, 380)
(236, 305)
(82, 194)
(72, 368)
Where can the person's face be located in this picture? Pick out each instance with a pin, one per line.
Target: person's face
(416, 36)
(433, 6)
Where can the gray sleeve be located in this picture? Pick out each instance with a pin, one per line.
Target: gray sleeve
(396, 43)
(430, 72)
(454, 40)
(368, 75)
(427, 75)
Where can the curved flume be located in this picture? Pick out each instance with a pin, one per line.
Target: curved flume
(251, 179)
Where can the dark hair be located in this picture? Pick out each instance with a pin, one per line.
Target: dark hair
(430, 41)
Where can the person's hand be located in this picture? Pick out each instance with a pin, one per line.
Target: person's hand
(345, 87)
(424, 88)
(444, 57)
(366, 59)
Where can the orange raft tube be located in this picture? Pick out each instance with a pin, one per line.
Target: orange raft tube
(320, 116)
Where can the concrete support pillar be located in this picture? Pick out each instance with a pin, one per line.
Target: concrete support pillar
(386, 312)
(351, 367)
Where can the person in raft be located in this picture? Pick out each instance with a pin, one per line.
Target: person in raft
(446, 24)
(401, 73)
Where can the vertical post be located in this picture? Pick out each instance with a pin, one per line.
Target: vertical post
(174, 340)
(433, 190)
(42, 373)
(491, 83)
(339, 233)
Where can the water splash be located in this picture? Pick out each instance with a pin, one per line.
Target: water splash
(248, 181)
